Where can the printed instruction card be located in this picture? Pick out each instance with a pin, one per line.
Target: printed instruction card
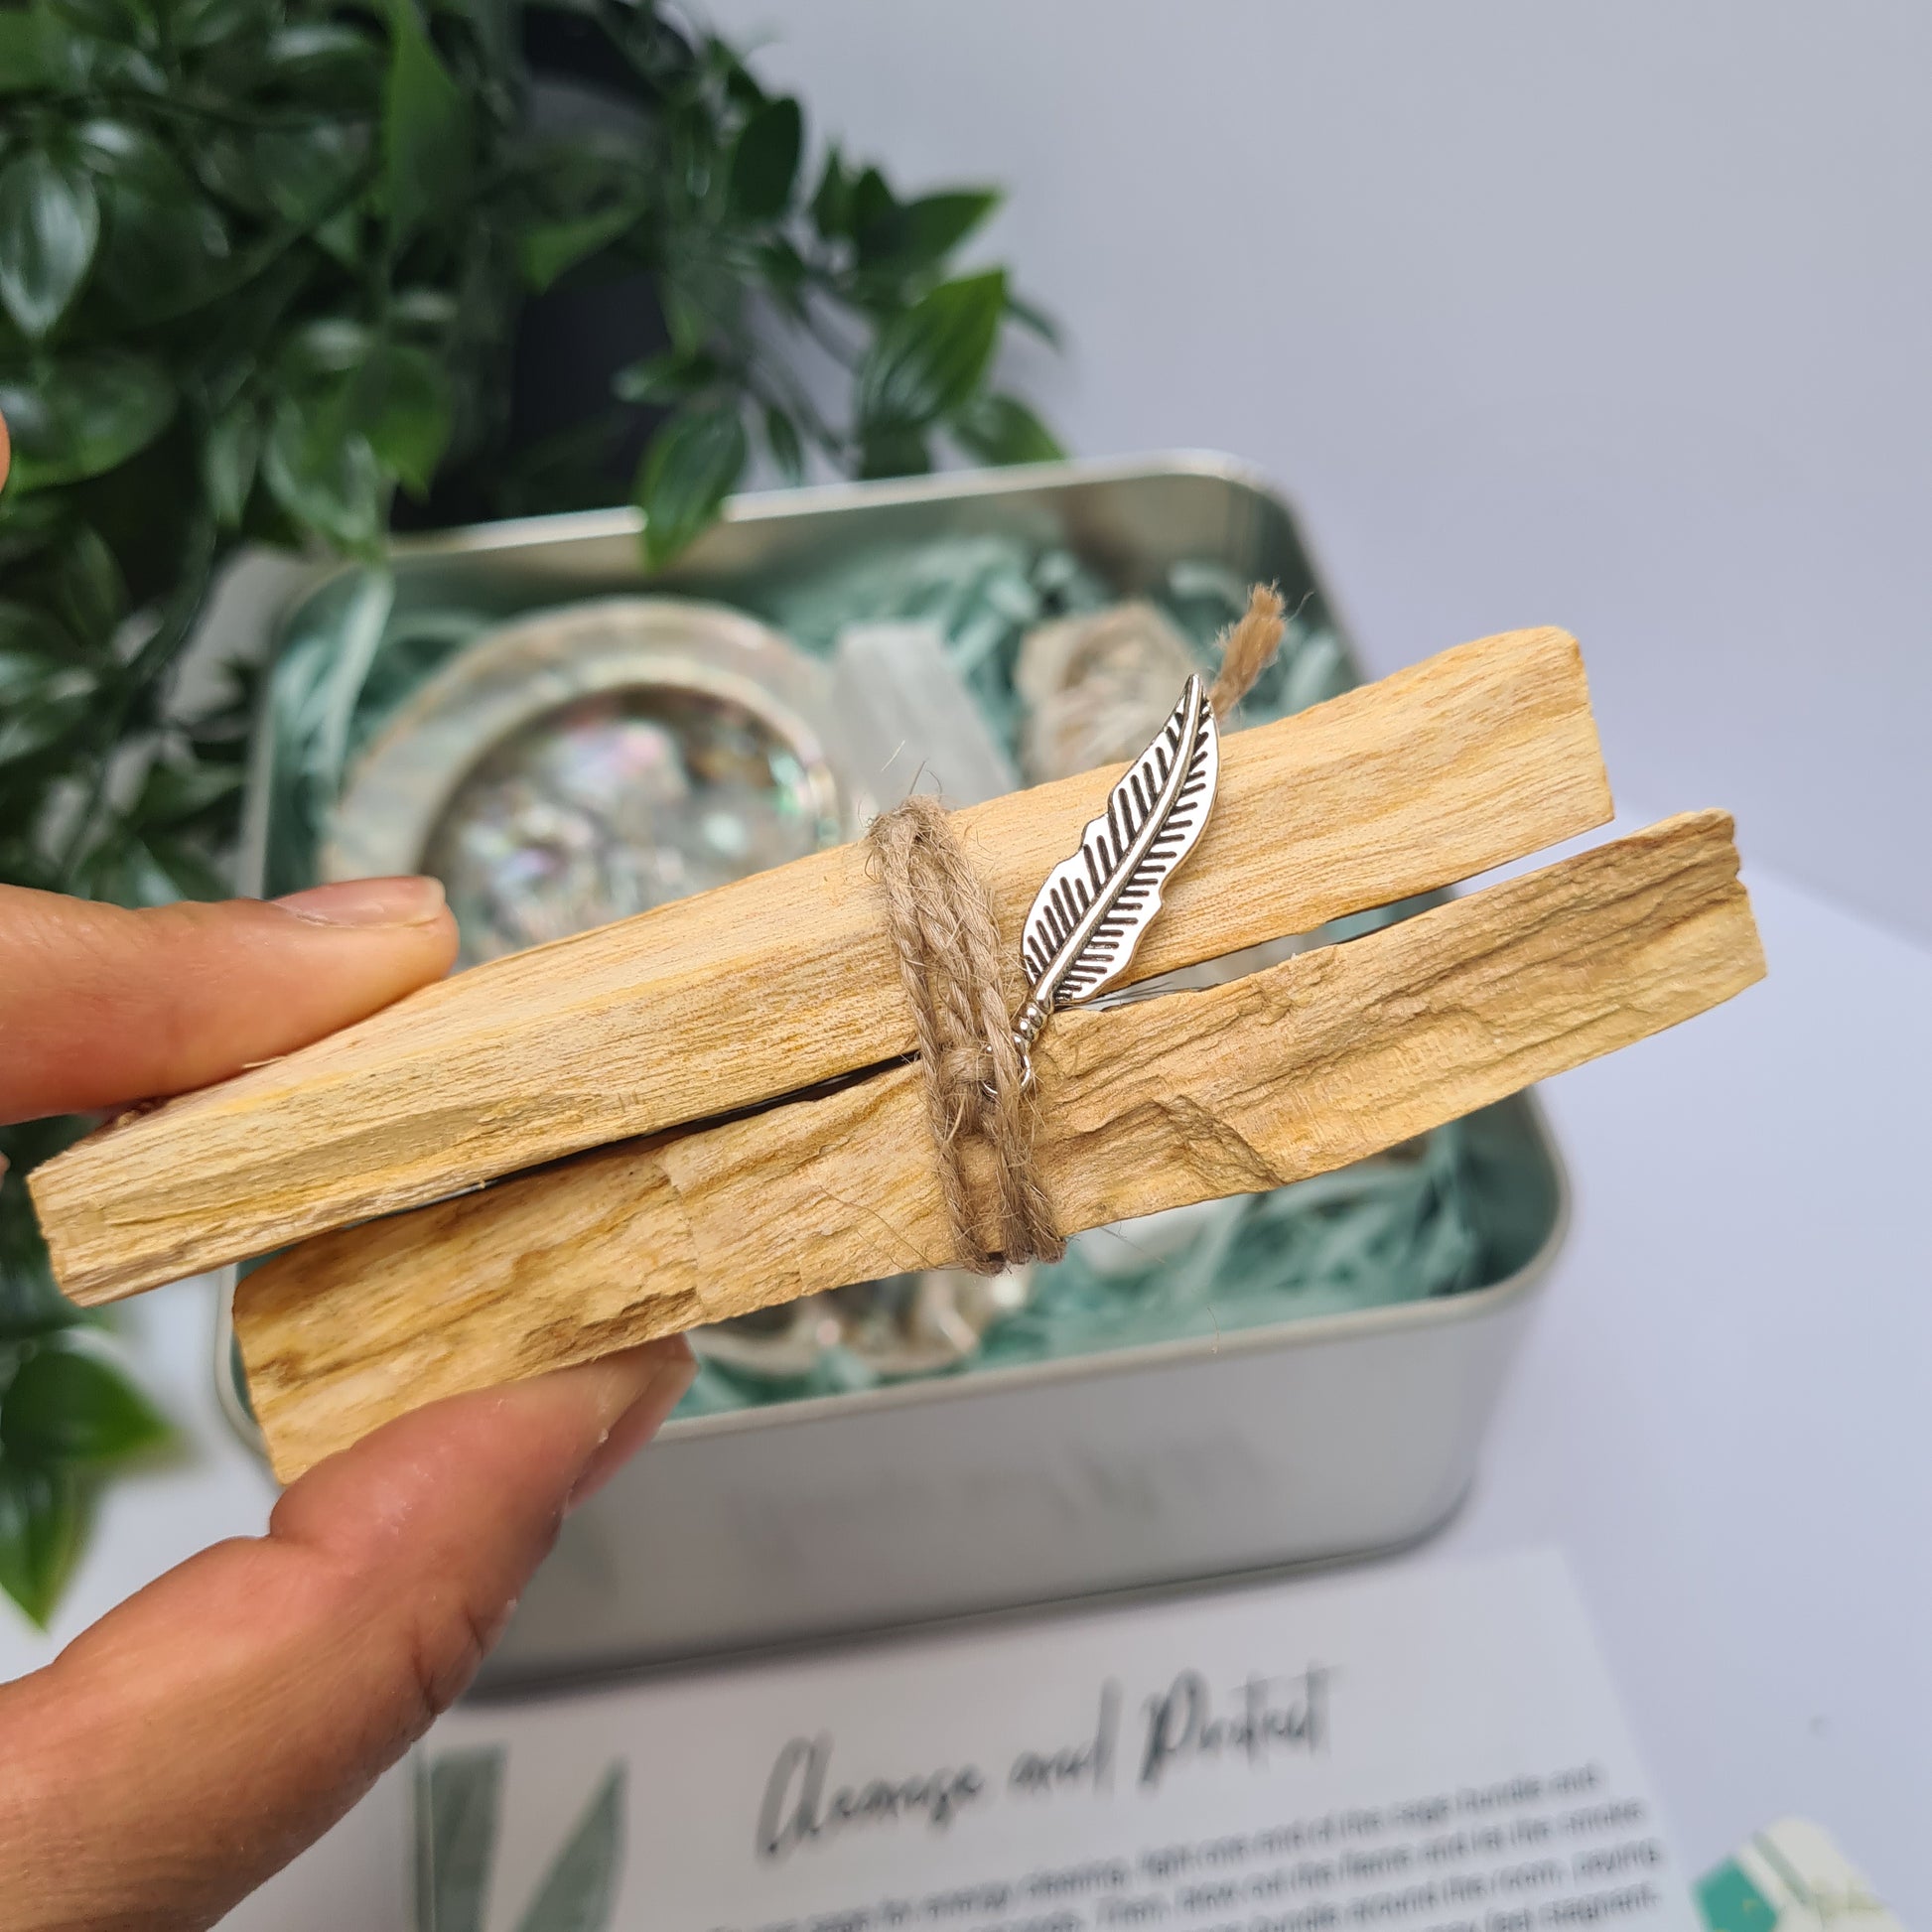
(1422, 1748)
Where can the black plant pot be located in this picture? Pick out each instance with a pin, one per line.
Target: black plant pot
(566, 442)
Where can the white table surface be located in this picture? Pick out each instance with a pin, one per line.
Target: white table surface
(1722, 1416)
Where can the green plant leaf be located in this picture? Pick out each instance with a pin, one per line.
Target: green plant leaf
(176, 795)
(400, 400)
(581, 1887)
(686, 317)
(113, 21)
(89, 589)
(30, 1304)
(21, 673)
(50, 221)
(32, 1308)
(42, 702)
(921, 234)
(83, 415)
(326, 346)
(832, 197)
(1030, 315)
(784, 274)
(68, 1403)
(119, 66)
(928, 361)
(26, 522)
(160, 256)
(326, 62)
(893, 450)
(31, 635)
(232, 166)
(423, 308)
(741, 84)
(765, 161)
(935, 224)
(341, 236)
(547, 251)
(666, 379)
(1002, 429)
(26, 60)
(234, 338)
(457, 1805)
(302, 173)
(686, 473)
(324, 474)
(189, 869)
(125, 869)
(207, 22)
(42, 1520)
(230, 458)
(782, 440)
(427, 132)
(873, 215)
(122, 150)
(161, 240)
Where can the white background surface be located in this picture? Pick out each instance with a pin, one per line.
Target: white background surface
(1615, 318)
(1611, 316)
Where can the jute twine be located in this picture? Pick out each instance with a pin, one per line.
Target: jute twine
(963, 991)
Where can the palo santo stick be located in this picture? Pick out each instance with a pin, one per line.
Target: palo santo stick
(1475, 757)
(1288, 1072)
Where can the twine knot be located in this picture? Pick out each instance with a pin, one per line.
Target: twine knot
(979, 1100)
(979, 1090)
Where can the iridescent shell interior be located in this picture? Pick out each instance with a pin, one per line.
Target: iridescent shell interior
(614, 803)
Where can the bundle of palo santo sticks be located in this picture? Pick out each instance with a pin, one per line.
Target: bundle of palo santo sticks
(707, 1109)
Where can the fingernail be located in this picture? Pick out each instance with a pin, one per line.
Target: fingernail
(367, 902)
(645, 1416)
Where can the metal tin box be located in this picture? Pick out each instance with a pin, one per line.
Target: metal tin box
(1311, 1440)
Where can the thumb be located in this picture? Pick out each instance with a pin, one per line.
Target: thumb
(197, 1737)
(101, 1005)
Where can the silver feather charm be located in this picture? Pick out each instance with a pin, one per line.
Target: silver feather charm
(1092, 911)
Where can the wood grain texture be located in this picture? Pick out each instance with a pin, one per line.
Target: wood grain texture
(1286, 1073)
(1480, 755)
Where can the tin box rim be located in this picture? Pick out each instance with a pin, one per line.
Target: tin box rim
(764, 505)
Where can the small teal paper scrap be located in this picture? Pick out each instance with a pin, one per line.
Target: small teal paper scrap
(1791, 1877)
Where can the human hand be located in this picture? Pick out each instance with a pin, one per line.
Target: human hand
(194, 1739)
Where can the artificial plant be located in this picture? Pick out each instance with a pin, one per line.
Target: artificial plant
(265, 266)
